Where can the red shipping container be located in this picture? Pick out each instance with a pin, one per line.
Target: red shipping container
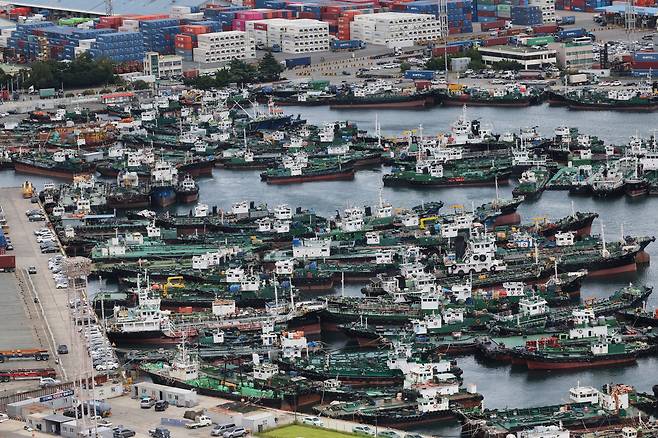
(500, 41)
(260, 26)
(190, 73)
(422, 85)
(440, 51)
(546, 28)
(644, 65)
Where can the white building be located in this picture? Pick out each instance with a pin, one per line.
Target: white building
(292, 36)
(223, 47)
(573, 56)
(163, 66)
(395, 29)
(547, 10)
(528, 57)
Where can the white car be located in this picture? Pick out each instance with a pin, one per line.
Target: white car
(3, 417)
(363, 430)
(312, 421)
(61, 285)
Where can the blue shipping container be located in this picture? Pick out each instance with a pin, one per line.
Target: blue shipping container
(419, 74)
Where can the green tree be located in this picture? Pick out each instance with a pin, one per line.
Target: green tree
(140, 85)
(241, 72)
(404, 66)
(269, 69)
(507, 65)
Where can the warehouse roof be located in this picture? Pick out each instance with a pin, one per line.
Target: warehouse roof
(621, 9)
(118, 6)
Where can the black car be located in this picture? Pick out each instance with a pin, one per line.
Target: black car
(62, 349)
(160, 432)
(161, 405)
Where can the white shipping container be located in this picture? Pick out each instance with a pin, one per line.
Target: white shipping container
(196, 16)
(7, 32)
(86, 43)
(181, 9)
(131, 25)
(3, 41)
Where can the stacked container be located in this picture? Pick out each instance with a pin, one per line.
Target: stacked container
(344, 24)
(159, 35)
(119, 47)
(526, 15)
(645, 64)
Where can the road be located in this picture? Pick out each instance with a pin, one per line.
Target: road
(54, 302)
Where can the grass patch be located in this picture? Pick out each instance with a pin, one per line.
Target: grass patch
(300, 431)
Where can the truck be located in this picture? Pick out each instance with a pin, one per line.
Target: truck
(276, 48)
(200, 421)
(30, 353)
(578, 79)
(493, 25)
(7, 263)
(46, 93)
(298, 62)
(569, 34)
(27, 374)
(338, 45)
(566, 21)
(427, 75)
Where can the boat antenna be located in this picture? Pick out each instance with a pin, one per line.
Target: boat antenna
(496, 182)
(342, 283)
(604, 252)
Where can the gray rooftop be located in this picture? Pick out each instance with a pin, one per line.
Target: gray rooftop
(119, 7)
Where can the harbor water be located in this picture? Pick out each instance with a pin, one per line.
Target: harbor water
(501, 385)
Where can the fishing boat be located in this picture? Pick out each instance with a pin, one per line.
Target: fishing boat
(187, 190)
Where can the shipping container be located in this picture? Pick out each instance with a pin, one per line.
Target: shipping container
(539, 41)
(645, 56)
(498, 24)
(544, 29)
(568, 20)
(568, 34)
(7, 263)
(46, 92)
(347, 45)
(298, 62)
(427, 75)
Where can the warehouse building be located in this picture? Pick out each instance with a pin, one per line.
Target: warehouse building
(394, 29)
(572, 56)
(530, 58)
(175, 396)
(163, 66)
(292, 36)
(223, 47)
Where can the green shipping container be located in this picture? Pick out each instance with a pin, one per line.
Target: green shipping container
(47, 92)
(318, 85)
(539, 41)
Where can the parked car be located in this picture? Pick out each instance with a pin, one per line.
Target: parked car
(62, 349)
(122, 432)
(32, 270)
(363, 430)
(219, 429)
(160, 432)
(144, 403)
(235, 433)
(160, 405)
(312, 421)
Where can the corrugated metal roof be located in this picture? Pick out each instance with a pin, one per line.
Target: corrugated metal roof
(118, 6)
